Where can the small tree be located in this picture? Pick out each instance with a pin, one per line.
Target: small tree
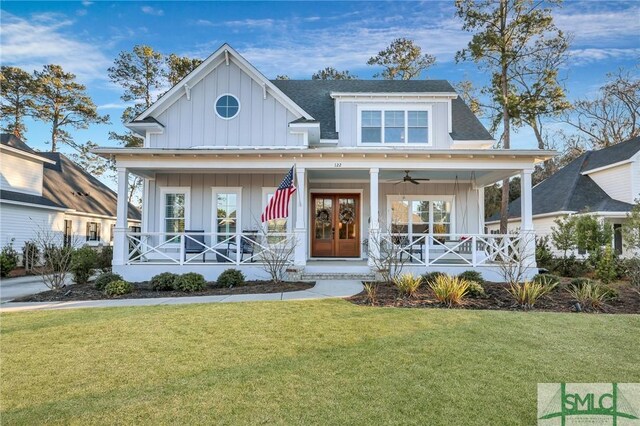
(402, 60)
(631, 229)
(592, 235)
(276, 254)
(387, 252)
(56, 257)
(330, 73)
(516, 259)
(563, 235)
(30, 255)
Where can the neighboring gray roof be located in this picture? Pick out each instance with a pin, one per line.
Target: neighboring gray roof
(14, 142)
(314, 97)
(568, 190)
(69, 185)
(27, 198)
(613, 154)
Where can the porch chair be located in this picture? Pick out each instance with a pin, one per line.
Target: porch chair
(247, 245)
(194, 243)
(417, 247)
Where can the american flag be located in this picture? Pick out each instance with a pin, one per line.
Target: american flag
(278, 206)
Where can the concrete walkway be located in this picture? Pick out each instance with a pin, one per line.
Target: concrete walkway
(13, 288)
(322, 290)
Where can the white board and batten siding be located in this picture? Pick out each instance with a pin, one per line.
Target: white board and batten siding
(194, 123)
(20, 174)
(349, 122)
(201, 209)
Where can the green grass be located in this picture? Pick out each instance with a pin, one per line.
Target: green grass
(320, 362)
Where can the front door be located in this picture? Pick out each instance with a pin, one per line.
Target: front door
(335, 224)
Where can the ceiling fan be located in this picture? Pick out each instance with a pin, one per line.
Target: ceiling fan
(408, 178)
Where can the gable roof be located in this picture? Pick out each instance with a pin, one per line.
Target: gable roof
(315, 97)
(613, 154)
(67, 185)
(222, 54)
(11, 140)
(568, 190)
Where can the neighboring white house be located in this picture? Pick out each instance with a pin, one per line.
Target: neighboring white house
(46, 190)
(218, 144)
(604, 183)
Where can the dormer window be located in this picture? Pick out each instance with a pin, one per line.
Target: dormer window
(227, 106)
(394, 126)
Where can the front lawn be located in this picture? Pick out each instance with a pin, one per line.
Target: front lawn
(322, 362)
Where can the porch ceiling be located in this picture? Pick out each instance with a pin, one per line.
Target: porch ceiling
(396, 175)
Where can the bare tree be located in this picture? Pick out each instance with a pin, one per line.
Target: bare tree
(56, 257)
(275, 252)
(388, 253)
(514, 259)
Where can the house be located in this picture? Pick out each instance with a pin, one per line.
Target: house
(604, 183)
(47, 191)
(377, 163)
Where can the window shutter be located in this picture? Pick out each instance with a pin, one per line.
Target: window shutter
(98, 229)
(88, 232)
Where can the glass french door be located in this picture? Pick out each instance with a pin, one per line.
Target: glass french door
(335, 224)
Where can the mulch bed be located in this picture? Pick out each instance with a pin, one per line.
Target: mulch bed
(143, 291)
(498, 298)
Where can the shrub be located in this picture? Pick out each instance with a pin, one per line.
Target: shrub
(591, 295)
(83, 263)
(407, 284)
(569, 267)
(371, 288)
(579, 282)
(165, 281)
(527, 293)
(431, 276)
(449, 290)
(544, 256)
(632, 271)
(30, 255)
(8, 259)
(104, 258)
(105, 278)
(117, 288)
(190, 282)
(606, 266)
(230, 278)
(549, 281)
(472, 276)
(476, 290)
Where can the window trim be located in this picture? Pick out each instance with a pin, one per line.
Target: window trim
(447, 198)
(164, 190)
(98, 226)
(265, 193)
(215, 106)
(395, 107)
(215, 190)
(67, 237)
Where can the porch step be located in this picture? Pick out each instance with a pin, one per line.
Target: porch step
(333, 276)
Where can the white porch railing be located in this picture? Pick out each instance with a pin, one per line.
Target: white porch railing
(185, 248)
(455, 250)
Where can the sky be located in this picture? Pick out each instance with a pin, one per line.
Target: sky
(292, 38)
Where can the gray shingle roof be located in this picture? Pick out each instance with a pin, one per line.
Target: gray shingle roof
(569, 190)
(27, 198)
(314, 97)
(613, 154)
(67, 185)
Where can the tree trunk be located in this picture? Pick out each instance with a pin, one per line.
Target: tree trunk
(506, 137)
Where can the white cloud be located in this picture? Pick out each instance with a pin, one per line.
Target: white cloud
(590, 55)
(30, 44)
(599, 25)
(86, 3)
(152, 11)
(114, 106)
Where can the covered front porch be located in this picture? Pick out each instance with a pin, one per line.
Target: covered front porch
(201, 212)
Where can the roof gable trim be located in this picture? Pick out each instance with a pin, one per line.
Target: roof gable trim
(223, 55)
(608, 166)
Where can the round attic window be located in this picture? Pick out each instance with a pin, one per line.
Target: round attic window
(227, 106)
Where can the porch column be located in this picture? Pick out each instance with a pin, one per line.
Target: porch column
(374, 220)
(120, 246)
(300, 256)
(526, 216)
